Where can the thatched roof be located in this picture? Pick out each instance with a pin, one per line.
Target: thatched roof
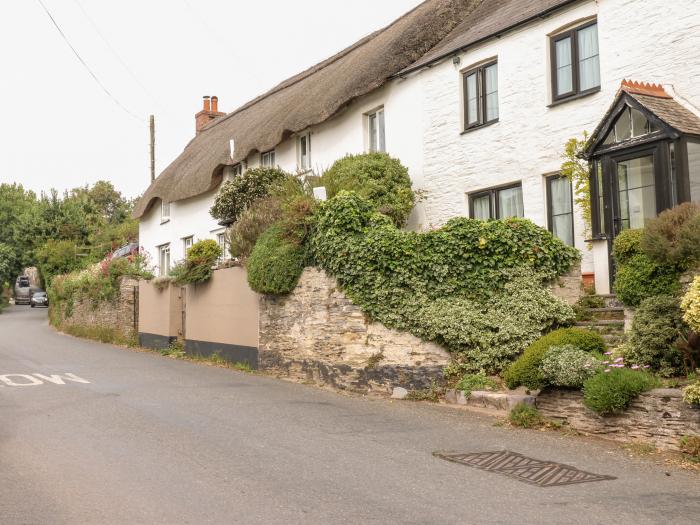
(305, 100)
(490, 18)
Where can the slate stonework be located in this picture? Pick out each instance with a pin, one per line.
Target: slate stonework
(659, 417)
(120, 314)
(316, 334)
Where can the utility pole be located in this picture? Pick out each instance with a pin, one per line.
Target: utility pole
(153, 147)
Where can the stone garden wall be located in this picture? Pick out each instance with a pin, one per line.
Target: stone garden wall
(659, 417)
(316, 334)
(118, 316)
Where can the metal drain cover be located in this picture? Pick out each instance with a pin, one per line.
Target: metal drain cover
(522, 468)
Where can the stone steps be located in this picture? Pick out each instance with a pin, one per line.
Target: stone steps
(610, 313)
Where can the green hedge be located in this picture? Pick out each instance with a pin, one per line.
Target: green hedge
(276, 263)
(473, 286)
(612, 392)
(377, 177)
(198, 265)
(640, 277)
(526, 371)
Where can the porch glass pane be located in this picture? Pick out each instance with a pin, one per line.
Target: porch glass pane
(510, 202)
(601, 197)
(481, 208)
(561, 209)
(589, 61)
(637, 194)
(565, 82)
(623, 126)
(694, 170)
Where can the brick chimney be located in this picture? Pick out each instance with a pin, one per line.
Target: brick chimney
(210, 111)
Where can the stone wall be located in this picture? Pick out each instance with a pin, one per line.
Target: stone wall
(316, 334)
(659, 417)
(119, 315)
(569, 287)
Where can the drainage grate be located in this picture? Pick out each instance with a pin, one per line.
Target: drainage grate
(522, 468)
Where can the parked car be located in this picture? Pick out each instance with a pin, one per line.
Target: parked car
(126, 250)
(39, 299)
(23, 290)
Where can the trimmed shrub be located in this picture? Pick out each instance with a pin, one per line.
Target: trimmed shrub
(568, 366)
(691, 306)
(640, 277)
(673, 238)
(627, 244)
(276, 263)
(525, 416)
(526, 371)
(691, 394)
(237, 194)
(198, 266)
(377, 177)
(612, 392)
(656, 330)
(471, 382)
(251, 224)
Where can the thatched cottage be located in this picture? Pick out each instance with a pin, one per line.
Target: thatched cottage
(477, 98)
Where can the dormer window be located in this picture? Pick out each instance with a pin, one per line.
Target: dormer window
(164, 211)
(267, 159)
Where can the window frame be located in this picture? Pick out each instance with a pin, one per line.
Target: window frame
(478, 70)
(185, 247)
(381, 130)
(237, 169)
(164, 211)
(223, 245)
(301, 166)
(163, 272)
(270, 154)
(492, 192)
(575, 62)
(550, 214)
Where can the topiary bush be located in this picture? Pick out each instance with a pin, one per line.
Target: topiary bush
(656, 331)
(251, 224)
(640, 277)
(627, 244)
(691, 306)
(377, 177)
(237, 194)
(527, 371)
(198, 265)
(276, 263)
(673, 238)
(568, 366)
(473, 286)
(612, 392)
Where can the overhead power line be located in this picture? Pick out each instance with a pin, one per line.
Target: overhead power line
(117, 56)
(77, 55)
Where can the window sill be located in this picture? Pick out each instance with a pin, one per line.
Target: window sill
(480, 126)
(164, 220)
(574, 97)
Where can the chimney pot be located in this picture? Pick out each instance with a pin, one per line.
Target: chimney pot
(207, 104)
(215, 104)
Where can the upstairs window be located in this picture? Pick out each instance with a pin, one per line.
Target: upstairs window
(237, 170)
(376, 132)
(164, 211)
(267, 159)
(304, 148)
(187, 243)
(575, 62)
(481, 95)
(497, 203)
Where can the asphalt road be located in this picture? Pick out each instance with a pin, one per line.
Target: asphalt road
(154, 440)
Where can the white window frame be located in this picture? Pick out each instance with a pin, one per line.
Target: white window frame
(267, 159)
(163, 265)
(164, 211)
(304, 162)
(187, 243)
(376, 130)
(222, 241)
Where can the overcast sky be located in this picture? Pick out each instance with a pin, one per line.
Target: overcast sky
(60, 129)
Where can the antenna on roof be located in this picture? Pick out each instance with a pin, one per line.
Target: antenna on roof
(152, 127)
(232, 147)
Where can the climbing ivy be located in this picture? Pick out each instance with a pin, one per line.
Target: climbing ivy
(577, 170)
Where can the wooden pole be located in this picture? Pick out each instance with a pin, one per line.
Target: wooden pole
(153, 147)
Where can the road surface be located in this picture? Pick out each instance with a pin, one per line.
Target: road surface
(136, 438)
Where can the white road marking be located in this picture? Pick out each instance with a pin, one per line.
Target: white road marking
(38, 379)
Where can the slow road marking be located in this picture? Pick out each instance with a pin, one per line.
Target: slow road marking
(39, 379)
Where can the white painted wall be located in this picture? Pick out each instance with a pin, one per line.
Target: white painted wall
(646, 40)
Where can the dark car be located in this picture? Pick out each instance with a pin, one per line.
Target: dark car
(39, 299)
